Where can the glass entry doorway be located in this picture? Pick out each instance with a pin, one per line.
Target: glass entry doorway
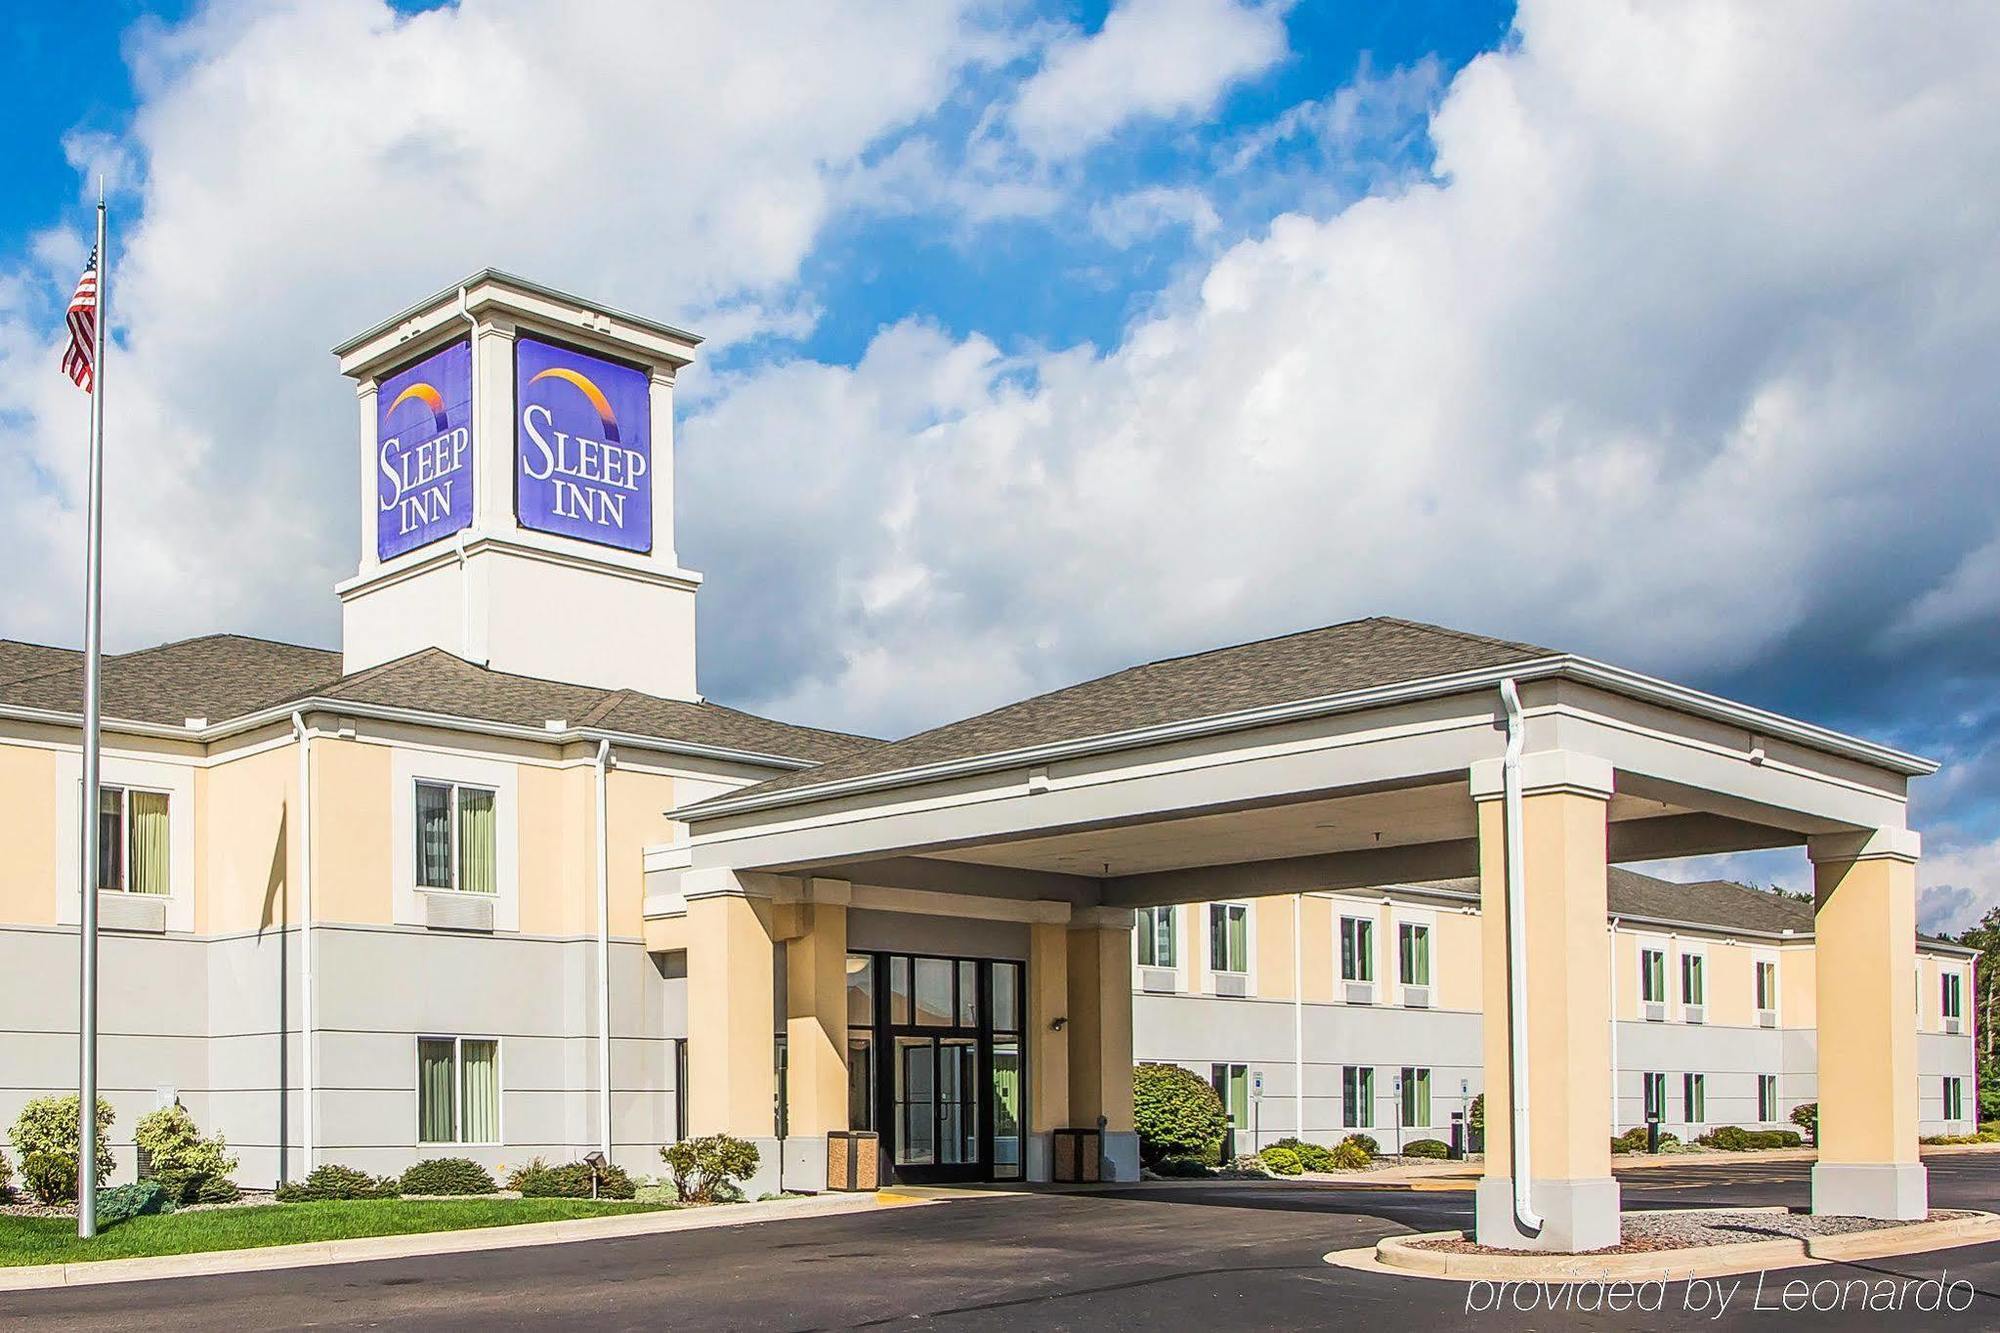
(934, 1065)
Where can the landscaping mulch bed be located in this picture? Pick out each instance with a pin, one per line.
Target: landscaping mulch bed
(1644, 1233)
(23, 1205)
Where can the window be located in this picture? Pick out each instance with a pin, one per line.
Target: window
(1954, 1099)
(1694, 988)
(1232, 1085)
(1155, 929)
(1010, 1082)
(1767, 1098)
(1653, 976)
(1357, 1097)
(680, 1088)
(1656, 1096)
(455, 838)
(1694, 1098)
(1416, 1098)
(132, 831)
(458, 1090)
(1413, 953)
(1357, 949)
(860, 1041)
(1228, 937)
(1953, 995)
(1767, 987)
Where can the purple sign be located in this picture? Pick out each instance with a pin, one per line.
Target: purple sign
(583, 458)
(423, 459)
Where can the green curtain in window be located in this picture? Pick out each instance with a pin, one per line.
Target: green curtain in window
(479, 1098)
(434, 1092)
(475, 841)
(433, 836)
(1239, 939)
(1416, 956)
(149, 865)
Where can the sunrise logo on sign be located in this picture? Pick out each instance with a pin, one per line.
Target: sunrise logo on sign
(583, 456)
(424, 452)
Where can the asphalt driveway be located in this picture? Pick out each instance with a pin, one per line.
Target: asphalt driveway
(1216, 1257)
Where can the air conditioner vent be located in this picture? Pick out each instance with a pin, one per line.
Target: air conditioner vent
(1231, 983)
(1697, 1013)
(458, 911)
(1656, 1013)
(1767, 1018)
(1361, 992)
(1158, 980)
(1417, 997)
(132, 911)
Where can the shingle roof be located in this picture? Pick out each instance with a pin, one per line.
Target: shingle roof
(1712, 902)
(1357, 655)
(225, 676)
(20, 660)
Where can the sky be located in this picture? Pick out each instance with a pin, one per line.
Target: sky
(1048, 338)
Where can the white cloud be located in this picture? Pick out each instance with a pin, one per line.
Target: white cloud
(298, 171)
(1152, 59)
(1139, 215)
(1686, 351)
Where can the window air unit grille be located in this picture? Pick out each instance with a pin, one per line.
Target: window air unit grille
(1655, 1012)
(458, 911)
(1361, 992)
(1417, 997)
(1157, 979)
(1767, 1018)
(1697, 1013)
(1231, 983)
(132, 911)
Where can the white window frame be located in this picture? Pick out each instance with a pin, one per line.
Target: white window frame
(1649, 1109)
(457, 1041)
(1140, 932)
(1361, 1107)
(1691, 1084)
(1655, 944)
(125, 790)
(1952, 1089)
(409, 766)
(174, 781)
(454, 787)
(1373, 981)
(1759, 960)
(1951, 988)
(1679, 978)
(1406, 1085)
(1249, 938)
(1770, 1082)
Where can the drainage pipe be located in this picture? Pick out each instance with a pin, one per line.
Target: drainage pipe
(1612, 932)
(603, 953)
(301, 738)
(1298, 1015)
(1525, 1216)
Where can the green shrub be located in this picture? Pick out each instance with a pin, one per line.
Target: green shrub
(1281, 1161)
(217, 1189)
(1634, 1140)
(1475, 1117)
(6, 1178)
(338, 1182)
(1348, 1155)
(709, 1169)
(49, 1176)
(1176, 1113)
(448, 1175)
(1312, 1156)
(1365, 1142)
(1181, 1167)
(572, 1180)
(181, 1159)
(1806, 1116)
(1733, 1138)
(1430, 1148)
(47, 1127)
(135, 1200)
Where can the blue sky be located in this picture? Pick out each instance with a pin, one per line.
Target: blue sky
(1044, 339)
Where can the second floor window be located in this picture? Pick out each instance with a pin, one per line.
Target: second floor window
(1357, 949)
(1413, 949)
(1653, 976)
(1767, 986)
(1156, 937)
(132, 830)
(456, 838)
(1229, 937)
(1693, 989)
(1953, 997)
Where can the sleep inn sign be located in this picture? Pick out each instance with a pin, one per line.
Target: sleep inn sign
(584, 446)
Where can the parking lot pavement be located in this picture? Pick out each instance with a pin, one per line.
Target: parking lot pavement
(1219, 1257)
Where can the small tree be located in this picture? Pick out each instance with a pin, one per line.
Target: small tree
(182, 1160)
(1176, 1113)
(1806, 1116)
(708, 1169)
(46, 1130)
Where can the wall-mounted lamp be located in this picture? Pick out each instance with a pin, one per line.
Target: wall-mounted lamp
(1058, 1024)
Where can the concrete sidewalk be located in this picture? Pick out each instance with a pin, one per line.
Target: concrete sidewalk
(317, 1253)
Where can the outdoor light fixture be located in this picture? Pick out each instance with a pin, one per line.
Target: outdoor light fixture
(1058, 1024)
(595, 1161)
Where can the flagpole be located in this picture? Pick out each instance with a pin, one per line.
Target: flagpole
(93, 649)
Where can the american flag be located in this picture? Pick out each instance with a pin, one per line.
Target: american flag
(76, 361)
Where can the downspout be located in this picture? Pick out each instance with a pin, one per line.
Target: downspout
(1298, 1015)
(300, 738)
(603, 953)
(1525, 1216)
(458, 538)
(1612, 932)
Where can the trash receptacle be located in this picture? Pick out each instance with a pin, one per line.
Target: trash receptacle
(1457, 1149)
(1078, 1156)
(853, 1160)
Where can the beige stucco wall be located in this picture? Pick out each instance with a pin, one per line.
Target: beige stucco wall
(1456, 969)
(28, 869)
(1271, 932)
(1732, 985)
(352, 857)
(247, 852)
(1320, 964)
(1798, 986)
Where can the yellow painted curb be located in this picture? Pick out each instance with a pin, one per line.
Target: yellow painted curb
(1399, 1255)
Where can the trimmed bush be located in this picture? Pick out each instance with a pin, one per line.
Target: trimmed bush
(1348, 1155)
(338, 1182)
(1634, 1140)
(448, 1175)
(709, 1169)
(1176, 1113)
(1281, 1161)
(50, 1177)
(135, 1200)
(6, 1178)
(1312, 1156)
(1432, 1148)
(182, 1160)
(1365, 1142)
(217, 1189)
(1180, 1167)
(46, 1127)
(1475, 1118)
(1806, 1116)
(572, 1180)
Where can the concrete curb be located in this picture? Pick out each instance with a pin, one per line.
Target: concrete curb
(363, 1249)
(1400, 1255)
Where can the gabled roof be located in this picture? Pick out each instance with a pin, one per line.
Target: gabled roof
(221, 677)
(20, 660)
(1338, 659)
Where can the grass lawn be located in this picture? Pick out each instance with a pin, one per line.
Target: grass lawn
(53, 1240)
